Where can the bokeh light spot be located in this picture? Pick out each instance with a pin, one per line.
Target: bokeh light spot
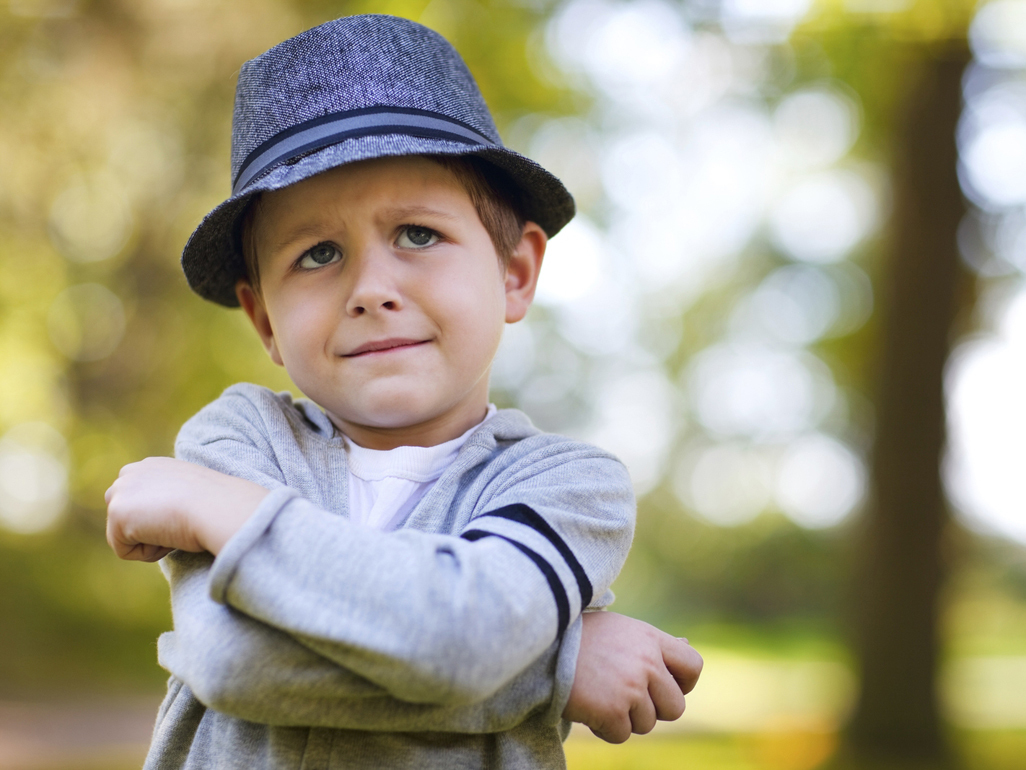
(819, 481)
(91, 220)
(987, 421)
(796, 304)
(727, 484)
(815, 126)
(997, 34)
(761, 21)
(33, 478)
(746, 389)
(86, 322)
(824, 216)
(994, 162)
(635, 420)
(573, 262)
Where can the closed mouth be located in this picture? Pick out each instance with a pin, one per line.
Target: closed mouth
(382, 346)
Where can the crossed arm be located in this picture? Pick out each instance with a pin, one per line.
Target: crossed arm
(628, 674)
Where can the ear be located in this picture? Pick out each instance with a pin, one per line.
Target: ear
(522, 271)
(251, 301)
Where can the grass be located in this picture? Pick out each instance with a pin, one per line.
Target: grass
(978, 750)
(798, 751)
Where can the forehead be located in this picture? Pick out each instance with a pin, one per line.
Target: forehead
(364, 187)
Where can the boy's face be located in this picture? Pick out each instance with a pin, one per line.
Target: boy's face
(382, 295)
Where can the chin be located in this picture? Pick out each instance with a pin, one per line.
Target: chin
(403, 413)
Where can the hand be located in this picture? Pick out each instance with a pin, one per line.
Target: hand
(159, 504)
(629, 674)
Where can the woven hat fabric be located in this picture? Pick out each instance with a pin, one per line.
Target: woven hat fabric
(353, 89)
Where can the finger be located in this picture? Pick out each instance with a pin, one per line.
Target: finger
(616, 730)
(643, 715)
(683, 662)
(144, 552)
(157, 552)
(667, 696)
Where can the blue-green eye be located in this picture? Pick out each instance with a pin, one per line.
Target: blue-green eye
(320, 255)
(414, 237)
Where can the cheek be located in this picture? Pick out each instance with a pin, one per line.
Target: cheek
(479, 316)
(303, 327)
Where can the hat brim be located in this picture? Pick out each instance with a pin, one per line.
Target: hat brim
(212, 258)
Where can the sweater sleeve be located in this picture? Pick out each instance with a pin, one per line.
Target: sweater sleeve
(249, 670)
(437, 621)
(434, 618)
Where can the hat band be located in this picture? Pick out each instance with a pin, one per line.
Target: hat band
(327, 130)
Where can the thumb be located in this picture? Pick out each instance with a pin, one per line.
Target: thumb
(682, 661)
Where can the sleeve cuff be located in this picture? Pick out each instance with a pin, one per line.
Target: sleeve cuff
(566, 667)
(226, 562)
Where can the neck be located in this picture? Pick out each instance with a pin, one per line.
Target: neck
(431, 432)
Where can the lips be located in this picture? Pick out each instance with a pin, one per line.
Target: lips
(382, 346)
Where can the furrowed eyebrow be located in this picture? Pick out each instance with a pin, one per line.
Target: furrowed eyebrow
(405, 212)
(294, 235)
(307, 232)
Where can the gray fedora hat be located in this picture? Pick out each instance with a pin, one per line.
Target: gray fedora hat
(356, 88)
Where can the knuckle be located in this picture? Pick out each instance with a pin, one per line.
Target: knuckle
(610, 717)
(618, 737)
(637, 688)
(644, 728)
(616, 729)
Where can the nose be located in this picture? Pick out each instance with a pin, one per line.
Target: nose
(374, 285)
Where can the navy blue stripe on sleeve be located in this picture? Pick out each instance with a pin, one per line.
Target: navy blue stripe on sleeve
(524, 514)
(555, 584)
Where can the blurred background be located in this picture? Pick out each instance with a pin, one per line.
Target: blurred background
(793, 302)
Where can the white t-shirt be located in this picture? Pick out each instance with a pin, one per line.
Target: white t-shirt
(385, 485)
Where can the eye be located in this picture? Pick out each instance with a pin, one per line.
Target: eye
(414, 237)
(320, 255)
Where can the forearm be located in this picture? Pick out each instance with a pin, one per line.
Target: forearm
(430, 618)
(244, 668)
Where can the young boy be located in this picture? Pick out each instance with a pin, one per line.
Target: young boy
(394, 573)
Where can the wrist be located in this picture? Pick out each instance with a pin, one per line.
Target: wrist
(227, 513)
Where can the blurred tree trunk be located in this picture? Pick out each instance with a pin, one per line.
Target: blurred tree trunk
(901, 569)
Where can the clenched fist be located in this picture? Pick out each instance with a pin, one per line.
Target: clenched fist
(160, 504)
